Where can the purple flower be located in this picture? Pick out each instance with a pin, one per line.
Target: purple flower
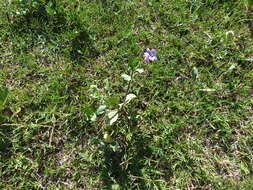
(149, 55)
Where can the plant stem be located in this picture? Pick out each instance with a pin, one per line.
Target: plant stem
(129, 83)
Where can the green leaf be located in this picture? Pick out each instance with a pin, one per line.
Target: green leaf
(101, 109)
(108, 138)
(94, 117)
(195, 74)
(126, 77)
(114, 119)
(140, 70)
(111, 101)
(113, 116)
(129, 97)
(112, 113)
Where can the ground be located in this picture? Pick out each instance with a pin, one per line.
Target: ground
(66, 66)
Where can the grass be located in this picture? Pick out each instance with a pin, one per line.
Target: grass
(189, 127)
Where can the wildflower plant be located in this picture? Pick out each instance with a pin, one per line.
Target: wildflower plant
(112, 115)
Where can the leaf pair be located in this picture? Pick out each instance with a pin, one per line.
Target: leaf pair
(129, 78)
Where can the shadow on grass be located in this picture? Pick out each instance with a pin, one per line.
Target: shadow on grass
(5, 143)
(118, 172)
(37, 22)
(5, 134)
(82, 48)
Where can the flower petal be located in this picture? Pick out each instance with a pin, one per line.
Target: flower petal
(152, 52)
(148, 51)
(154, 58)
(146, 56)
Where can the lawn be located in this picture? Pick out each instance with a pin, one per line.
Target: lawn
(81, 109)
